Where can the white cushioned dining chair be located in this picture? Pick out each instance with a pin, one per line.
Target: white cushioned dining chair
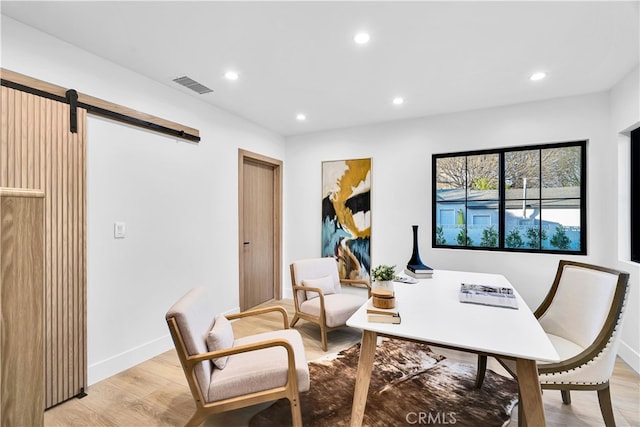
(582, 316)
(225, 373)
(318, 296)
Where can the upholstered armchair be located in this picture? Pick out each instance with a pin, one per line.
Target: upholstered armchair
(318, 296)
(225, 373)
(582, 316)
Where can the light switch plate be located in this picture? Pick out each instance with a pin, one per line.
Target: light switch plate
(119, 230)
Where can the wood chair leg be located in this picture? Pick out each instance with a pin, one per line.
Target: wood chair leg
(323, 333)
(566, 396)
(604, 397)
(294, 320)
(482, 369)
(296, 413)
(196, 419)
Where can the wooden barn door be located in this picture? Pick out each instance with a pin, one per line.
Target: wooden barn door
(38, 151)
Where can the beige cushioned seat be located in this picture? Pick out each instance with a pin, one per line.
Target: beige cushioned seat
(564, 347)
(338, 307)
(256, 370)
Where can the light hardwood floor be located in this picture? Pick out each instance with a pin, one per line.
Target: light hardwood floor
(155, 393)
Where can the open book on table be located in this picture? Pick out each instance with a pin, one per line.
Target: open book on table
(499, 296)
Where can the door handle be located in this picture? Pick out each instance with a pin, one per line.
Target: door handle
(245, 243)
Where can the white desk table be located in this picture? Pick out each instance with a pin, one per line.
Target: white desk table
(431, 313)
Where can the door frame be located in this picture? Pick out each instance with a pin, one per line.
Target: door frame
(276, 165)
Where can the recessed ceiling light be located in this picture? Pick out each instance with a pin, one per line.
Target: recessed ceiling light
(301, 117)
(538, 76)
(362, 38)
(398, 100)
(231, 75)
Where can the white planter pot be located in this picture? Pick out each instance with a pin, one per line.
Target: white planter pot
(383, 284)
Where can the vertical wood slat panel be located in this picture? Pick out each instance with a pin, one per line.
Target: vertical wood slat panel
(60, 256)
(11, 111)
(24, 133)
(55, 251)
(4, 136)
(37, 151)
(51, 377)
(18, 147)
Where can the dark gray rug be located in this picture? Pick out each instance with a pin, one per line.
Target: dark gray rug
(410, 385)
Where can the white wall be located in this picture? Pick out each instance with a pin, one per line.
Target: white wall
(625, 116)
(401, 188)
(179, 200)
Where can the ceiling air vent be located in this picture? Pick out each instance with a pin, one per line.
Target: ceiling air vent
(188, 82)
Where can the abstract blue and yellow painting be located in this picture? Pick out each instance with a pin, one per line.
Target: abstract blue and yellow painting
(346, 216)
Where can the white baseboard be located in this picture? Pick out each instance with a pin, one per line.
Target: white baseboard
(630, 356)
(117, 363)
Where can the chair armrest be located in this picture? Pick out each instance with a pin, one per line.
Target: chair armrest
(320, 295)
(357, 283)
(259, 345)
(308, 288)
(258, 311)
(192, 361)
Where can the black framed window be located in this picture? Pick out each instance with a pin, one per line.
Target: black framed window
(635, 195)
(529, 199)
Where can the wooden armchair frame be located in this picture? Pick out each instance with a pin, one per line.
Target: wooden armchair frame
(321, 319)
(585, 356)
(204, 408)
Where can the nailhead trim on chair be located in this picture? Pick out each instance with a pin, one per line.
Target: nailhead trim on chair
(596, 358)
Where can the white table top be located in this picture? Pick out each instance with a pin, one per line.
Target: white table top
(431, 312)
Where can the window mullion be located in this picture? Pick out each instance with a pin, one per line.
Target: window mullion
(502, 201)
(466, 201)
(540, 186)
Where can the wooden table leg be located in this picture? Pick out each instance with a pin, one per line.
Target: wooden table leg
(531, 396)
(363, 377)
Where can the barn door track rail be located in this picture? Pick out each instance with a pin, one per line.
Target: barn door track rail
(96, 106)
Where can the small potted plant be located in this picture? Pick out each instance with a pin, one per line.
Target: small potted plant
(383, 276)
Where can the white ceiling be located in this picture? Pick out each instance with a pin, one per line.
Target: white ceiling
(300, 56)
